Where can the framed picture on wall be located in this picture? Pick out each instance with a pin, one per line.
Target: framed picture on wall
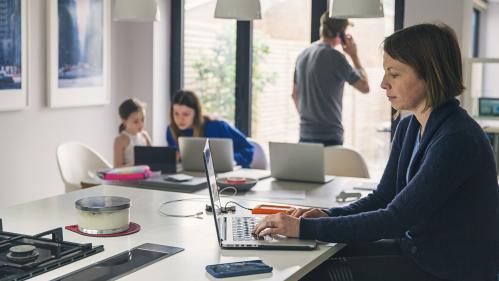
(13, 54)
(78, 52)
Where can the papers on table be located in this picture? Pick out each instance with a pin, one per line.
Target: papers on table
(368, 186)
(277, 194)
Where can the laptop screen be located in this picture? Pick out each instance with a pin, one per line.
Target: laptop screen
(191, 149)
(159, 158)
(212, 186)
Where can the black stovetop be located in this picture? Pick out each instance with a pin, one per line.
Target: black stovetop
(25, 256)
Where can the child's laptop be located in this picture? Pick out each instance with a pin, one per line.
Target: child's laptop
(191, 153)
(298, 162)
(234, 232)
(158, 158)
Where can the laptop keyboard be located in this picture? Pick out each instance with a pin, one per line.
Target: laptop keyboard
(242, 228)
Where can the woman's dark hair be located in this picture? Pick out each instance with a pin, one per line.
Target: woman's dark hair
(433, 52)
(128, 107)
(191, 100)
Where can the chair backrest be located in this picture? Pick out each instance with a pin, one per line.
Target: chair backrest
(342, 161)
(259, 158)
(75, 160)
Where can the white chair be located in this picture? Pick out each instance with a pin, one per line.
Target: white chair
(259, 158)
(346, 162)
(75, 160)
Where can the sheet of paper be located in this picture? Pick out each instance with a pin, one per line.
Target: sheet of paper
(277, 194)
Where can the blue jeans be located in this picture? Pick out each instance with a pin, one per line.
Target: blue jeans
(375, 261)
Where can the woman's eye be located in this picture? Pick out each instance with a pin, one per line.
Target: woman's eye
(394, 75)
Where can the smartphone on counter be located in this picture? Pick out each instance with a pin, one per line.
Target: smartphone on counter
(232, 269)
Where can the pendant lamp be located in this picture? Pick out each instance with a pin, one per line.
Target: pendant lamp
(238, 9)
(136, 10)
(342, 9)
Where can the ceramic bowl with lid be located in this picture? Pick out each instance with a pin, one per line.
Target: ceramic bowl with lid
(103, 214)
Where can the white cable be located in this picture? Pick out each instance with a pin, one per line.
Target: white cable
(198, 214)
(227, 188)
(195, 215)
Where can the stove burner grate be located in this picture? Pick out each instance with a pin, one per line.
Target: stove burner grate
(22, 253)
(25, 256)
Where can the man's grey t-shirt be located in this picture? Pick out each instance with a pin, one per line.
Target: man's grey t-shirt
(320, 75)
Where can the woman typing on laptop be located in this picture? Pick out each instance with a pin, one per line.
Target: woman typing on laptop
(435, 206)
(187, 120)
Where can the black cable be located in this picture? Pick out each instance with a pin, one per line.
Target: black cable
(235, 203)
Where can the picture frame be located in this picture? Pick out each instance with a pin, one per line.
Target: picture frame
(78, 52)
(13, 55)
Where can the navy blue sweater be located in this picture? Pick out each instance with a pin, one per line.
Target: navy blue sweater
(243, 150)
(444, 215)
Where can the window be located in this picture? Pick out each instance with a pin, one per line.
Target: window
(209, 65)
(278, 38)
(209, 58)
(366, 118)
(475, 36)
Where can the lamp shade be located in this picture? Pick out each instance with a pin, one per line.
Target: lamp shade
(238, 9)
(136, 10)
(342, 9)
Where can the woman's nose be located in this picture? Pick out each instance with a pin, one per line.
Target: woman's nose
(384, 85)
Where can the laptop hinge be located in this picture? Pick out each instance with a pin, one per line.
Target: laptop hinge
(224, 228)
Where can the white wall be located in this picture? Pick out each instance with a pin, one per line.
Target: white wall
(489, 40)
(455, 13)
(29, 137)
(142, 62)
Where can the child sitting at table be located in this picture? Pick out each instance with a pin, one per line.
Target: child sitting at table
(132, 133)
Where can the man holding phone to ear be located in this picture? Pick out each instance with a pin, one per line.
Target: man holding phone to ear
(319, 78)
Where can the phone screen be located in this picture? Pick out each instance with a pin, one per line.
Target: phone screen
(238, 268)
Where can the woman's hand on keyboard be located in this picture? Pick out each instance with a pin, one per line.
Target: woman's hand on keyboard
(280, 223)
(307, 213)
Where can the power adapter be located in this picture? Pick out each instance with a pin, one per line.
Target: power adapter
(222, 209)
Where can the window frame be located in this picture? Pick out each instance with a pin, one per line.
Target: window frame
(244, 44)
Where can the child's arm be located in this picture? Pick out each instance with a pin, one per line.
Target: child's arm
(120, 143)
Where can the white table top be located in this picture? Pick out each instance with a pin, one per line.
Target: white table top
(320, 195)
(196, 236)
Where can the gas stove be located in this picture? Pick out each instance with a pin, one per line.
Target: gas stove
(25, 256)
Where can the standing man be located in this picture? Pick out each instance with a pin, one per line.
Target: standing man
(320, 75)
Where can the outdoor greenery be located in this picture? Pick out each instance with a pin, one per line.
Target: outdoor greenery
(216, 75)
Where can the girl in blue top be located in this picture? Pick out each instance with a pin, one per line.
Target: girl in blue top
(186, 113)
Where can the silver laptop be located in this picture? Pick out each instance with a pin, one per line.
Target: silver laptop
(234, 232)
(298, 162)
(191, 153)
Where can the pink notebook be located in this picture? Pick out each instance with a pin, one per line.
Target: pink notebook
(126, 173)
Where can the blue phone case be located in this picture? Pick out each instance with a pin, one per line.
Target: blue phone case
(231, 269)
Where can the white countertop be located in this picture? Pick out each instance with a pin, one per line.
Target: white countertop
(196, 236)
